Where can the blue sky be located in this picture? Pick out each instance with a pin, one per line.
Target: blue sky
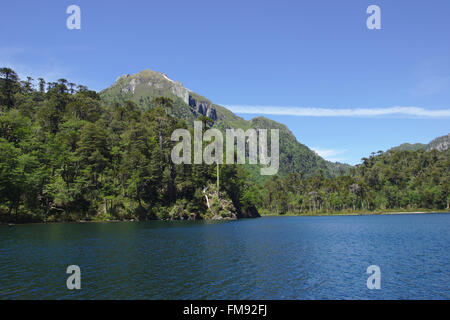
(295, 61)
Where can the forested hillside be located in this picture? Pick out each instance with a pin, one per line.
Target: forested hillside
(390, 180)
(64, 155)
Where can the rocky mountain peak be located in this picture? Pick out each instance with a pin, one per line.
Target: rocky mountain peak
(152, 84)
(440, 144)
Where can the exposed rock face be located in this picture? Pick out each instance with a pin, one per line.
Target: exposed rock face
(203, 107)
(180, 91)
(133, 84)
(440, 144)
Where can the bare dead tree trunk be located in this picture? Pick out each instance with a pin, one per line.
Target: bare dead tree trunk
(206, 196)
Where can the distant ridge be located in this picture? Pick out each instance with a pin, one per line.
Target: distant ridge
(440, 144)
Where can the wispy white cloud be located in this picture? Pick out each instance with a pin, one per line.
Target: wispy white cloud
(330, 154)
(327, 112)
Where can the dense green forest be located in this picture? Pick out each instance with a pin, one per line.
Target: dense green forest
(385, 180)
(67, 155)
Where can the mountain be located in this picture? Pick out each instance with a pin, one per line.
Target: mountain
(143, 87)
(147, 85)
(440, 144)
(410, 147)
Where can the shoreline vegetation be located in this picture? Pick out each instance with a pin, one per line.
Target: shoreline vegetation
(67, 154)
(354, 213)
(262, 215)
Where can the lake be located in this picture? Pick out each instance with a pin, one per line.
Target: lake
(265, 258)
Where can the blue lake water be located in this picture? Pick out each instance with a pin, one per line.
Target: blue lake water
(265, 258)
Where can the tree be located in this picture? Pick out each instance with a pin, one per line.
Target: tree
(9, 85)
(41, 85)
(28, 85)
(72, 86)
